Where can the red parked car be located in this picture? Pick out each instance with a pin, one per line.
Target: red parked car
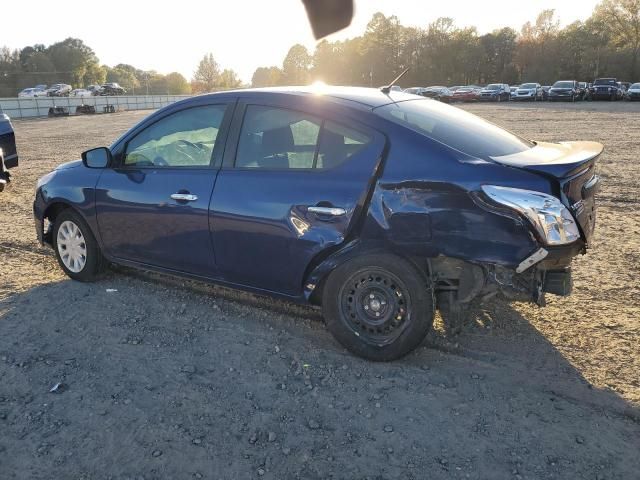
(465, 94)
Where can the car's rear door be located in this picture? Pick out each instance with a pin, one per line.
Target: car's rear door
(152, 206)
(292, 186)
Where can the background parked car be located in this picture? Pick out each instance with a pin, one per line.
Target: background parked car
(606, 89)
(8, 152)
(59, 90)
(32, 93)
(415, 90)
(545, 92)
(513, 90)
(94, 89)
(633, 93)
(567, 90)
(80, 92)
(109, 89)
(442, 94)
(528, 91)
(584, 89)
(466, 94)
(495, 92)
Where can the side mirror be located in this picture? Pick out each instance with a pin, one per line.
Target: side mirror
(97, 158)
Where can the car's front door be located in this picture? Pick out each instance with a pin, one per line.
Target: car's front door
(152, 206)
(292, 186)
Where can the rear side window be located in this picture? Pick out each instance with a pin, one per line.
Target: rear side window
(455, 128)
(278, 138)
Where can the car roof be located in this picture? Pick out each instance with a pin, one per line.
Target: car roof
(365, 98)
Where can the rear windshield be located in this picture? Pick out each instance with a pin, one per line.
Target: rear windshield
(455, 128)
(563, 85)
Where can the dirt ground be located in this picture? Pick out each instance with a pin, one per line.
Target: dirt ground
(171, 379)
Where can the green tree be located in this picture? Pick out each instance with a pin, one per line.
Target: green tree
(266, 77)
(622, 17)
(229, 80)
(71, 59)
(177, 84)
(125, 76)
(296, 65)
(207, 75)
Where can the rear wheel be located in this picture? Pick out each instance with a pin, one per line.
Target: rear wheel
(378, 306)
(76, 248)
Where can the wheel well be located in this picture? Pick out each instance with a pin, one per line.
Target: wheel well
(53, 210)
(446, 274)
(50, 215)
(315, 297)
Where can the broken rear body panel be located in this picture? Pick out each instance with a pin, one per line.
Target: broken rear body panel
(425, 205)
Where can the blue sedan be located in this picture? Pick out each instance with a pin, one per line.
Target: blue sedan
(379, 206)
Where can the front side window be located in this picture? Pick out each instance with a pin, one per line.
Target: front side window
(183, 139)
(278, 138)
(455, 128)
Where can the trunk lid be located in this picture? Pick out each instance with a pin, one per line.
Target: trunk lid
(573, 166)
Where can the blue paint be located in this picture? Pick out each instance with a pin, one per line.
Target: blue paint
(249, 227)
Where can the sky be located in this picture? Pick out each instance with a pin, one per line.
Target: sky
(241, 34)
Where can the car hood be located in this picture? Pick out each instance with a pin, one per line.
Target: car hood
(559, 160)
(68, 165)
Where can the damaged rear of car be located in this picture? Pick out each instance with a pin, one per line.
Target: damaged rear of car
(8, 151)
(489, 211)
(379, 206)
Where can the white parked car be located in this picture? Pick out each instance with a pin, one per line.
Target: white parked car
(80, 92)
(32, 93)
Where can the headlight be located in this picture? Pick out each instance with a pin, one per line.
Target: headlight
(45, 179)
(550, 218)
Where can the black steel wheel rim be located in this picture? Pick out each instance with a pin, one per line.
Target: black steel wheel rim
(375, 305)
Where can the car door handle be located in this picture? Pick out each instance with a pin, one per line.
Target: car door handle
(331, 211)
(184, 197)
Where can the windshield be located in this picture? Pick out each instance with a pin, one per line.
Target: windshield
(455, 128)
(494, 86)
(563, 85)
(635, 86)
(605, 81)
(528, 86)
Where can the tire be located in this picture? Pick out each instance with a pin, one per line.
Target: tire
(388, 287)
(82, 245)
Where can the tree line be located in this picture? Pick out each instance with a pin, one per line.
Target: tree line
(606, 44)
(73, 62)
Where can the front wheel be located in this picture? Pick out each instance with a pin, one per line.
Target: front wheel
(379, 307)
(76, 248)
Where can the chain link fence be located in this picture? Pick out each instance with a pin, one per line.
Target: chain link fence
(39, 107)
